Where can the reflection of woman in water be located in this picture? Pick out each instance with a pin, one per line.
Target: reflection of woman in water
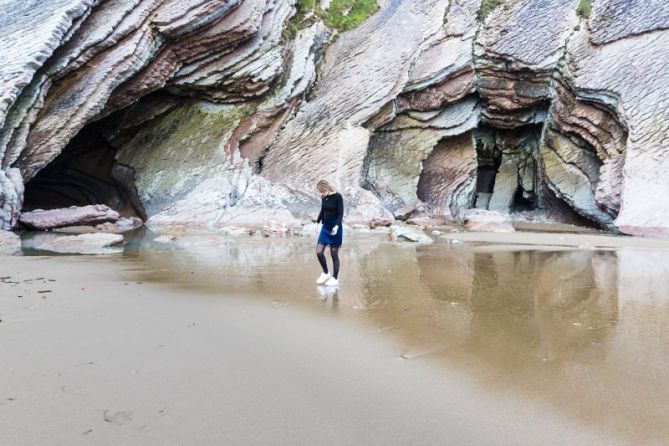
(332, 211)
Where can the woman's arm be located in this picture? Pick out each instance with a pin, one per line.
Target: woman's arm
(340, 209)
(340, 214)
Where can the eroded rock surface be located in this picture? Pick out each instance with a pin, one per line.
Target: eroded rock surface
(225, 113)
(621, 69)
(87, 215)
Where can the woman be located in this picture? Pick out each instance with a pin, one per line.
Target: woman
(332, 212)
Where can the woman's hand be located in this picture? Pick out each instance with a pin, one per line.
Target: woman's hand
(334, 230)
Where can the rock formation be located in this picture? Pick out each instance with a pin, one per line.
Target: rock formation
(201, 115)
(481, 220)
(56, 218)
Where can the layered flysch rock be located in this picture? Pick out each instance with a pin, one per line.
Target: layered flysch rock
(421, 150)
(118, 52)
(516, 53)
(56, 218)
(362, 71)
(619, 66)
(207, 114)
(29, 34)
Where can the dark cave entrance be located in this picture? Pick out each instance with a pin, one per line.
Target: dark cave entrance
(509, 175)
(85, 173)
(508, 168)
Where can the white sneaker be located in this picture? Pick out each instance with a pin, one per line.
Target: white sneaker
(322, 279)
(331, 282)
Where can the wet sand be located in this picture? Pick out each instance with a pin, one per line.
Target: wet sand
(224, 341)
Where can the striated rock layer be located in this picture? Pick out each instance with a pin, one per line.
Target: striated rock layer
(207, 114)
(56, 218)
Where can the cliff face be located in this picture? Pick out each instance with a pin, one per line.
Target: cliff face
(203, 114)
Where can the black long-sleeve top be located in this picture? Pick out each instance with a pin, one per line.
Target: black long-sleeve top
(332, 208)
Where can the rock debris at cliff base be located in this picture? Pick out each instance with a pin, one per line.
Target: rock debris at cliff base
(220, 113)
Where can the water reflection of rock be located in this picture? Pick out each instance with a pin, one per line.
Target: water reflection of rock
(584, 330)
(530, 307)
(514, 308)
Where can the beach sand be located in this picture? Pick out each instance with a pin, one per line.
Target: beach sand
(232, 343)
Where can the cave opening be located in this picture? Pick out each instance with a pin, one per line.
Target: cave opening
(507, 173)
(85, 173)
(511, 175)
(415, 171)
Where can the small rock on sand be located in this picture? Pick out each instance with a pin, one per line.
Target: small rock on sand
(402, 232)
(481, 220)
(378, 223)
(165, 239)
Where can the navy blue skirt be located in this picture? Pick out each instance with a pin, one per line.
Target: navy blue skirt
(325, 237)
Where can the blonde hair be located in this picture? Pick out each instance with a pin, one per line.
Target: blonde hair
(325, 186)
